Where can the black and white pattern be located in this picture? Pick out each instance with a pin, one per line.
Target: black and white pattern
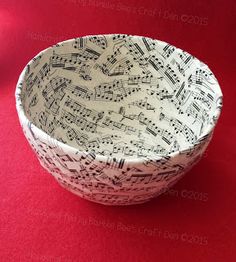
(117, 119)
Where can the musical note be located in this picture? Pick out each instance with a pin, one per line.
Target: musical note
(182, 94)
(202, 78)
(71, 134)
(55, 84)
(149, 43)
(171, 75)
(36, 81)
(80, 43)
(89, 158)
(107, 139)
(55, 106)
(69, 118)
(135, 50)
(115, 163)
(107, 67)
(72, 104)
(167, 51)
(206, 99)
(34, 100)
(29, 84)
(92, 144)
(49, 101)
(36, 61)
(97, 116)
(81, 139)
(161, 93)
(52, 126)
(176, 124)
(43, 117)
(119, 37)
(134, 80)
(114, 91)
(167, 137)
(129, 151)
(89, 54)
(122, 68)
(186, 62)
(84, 72)
(118, 148)
(99, 41)
(80, 91)
(80, 122)
(61, 60)
(197, 113)
(157, 63)
(140, 179)
(44, 71)
(91, 127)
(180, 128)
(142, 103)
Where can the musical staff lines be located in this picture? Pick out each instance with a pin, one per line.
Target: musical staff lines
(119, 98)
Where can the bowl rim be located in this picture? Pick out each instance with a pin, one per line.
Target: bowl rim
(24, 121)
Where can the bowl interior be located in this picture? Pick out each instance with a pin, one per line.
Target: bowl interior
(121, 96)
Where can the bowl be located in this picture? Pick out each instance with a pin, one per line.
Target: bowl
(117, 119)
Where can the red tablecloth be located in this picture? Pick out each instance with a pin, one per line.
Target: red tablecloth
(40, 221)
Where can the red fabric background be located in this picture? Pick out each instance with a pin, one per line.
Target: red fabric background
(40, 221)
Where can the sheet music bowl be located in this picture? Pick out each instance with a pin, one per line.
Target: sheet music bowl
(117, 119)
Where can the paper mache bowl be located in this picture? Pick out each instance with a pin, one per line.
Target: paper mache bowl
(117, 119)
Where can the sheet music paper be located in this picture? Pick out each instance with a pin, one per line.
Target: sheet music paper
(125, 99)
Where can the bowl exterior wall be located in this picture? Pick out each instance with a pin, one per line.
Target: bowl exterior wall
(114, 181)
